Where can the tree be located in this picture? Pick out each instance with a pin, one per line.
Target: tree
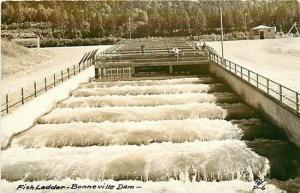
(19, 15)
(228, 21)
(239, 20)
(41, 13)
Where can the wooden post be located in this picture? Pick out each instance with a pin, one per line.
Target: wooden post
(170, 69)
(45, 84)
(96, 73)
(122, 71)
(129, 72)
(6, 103)
(74, 70)
(68, 70)
(34, 85)
(22, 95)
(102, 73)
(62, 76)
(54, 81)
(257, 85)
(79, 68)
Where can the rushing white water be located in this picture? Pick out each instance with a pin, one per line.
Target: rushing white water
(135, 113)
(212, 160)
(138, 90)
(149, 82)
(146, 100)
(122, 133)
(166, 134)
(172, 186)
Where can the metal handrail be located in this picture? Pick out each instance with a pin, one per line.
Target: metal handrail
(86, 61)
(284, 95)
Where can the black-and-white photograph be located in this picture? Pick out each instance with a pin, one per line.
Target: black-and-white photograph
(150, 96)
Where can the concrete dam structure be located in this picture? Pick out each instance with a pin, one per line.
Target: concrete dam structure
(153, 118)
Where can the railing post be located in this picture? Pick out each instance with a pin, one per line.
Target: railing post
(297, 102)
(242, 72)
(79, 68)
(280, 93)
(74, 70)
(68, 70)
(6, 98)
(45, 84)
(54, 80)
(62, 76)
(230, 66)
(248, 75)
(34, 85)
(234, 68)
(257, 80)
(22, 95)
(268, 86)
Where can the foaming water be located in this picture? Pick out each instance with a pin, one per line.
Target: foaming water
(212, 160)
(122, 133)
(146, 100)
(138, 100)
(203, 80)
(140, 113)
(139, 90)
(172, 186)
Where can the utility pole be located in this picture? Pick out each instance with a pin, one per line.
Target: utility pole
(129, 28)
(222, 33)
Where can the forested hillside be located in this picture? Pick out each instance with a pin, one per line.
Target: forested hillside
(97, 19)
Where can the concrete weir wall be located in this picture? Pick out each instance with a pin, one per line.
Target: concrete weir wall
(281, 116)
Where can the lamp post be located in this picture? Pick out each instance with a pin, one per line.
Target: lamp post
(222, 33)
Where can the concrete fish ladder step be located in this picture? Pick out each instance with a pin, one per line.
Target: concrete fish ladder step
(173, 186)
(104, 84)
(122, 133)
(154, 89)
(140, 113)
(148, 100)
(214, 160)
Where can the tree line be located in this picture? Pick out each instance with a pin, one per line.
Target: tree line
(97, 19)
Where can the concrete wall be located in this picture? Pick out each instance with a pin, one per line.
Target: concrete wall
(281, 116)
